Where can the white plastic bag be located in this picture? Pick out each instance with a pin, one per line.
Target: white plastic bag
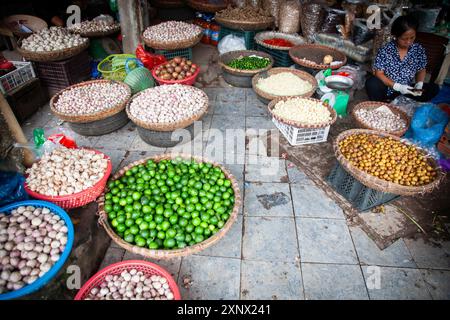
(231, 43)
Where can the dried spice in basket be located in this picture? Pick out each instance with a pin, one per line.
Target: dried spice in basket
(247, 13)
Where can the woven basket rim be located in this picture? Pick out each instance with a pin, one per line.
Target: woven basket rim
(302, 74)
(376, 104)
(90, 117)
(382, 185)
(245, 25)
(167, 126)
(310, 64)
(205, 7)
(56, 55)
(244, 53)
(261, 36)
(168, 254)
(300, 124)
(98, 33)
(173, 45)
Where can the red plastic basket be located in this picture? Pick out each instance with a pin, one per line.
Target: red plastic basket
(77, 199)
(187, 81)
(146, 267)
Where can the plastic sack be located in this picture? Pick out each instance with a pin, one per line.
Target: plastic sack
(361, 33)
(240, 3)
(290, 13)
(312, 15)
(273, 6)
(231, 43)
(333, 18)
(12, 188)
(255, 3)
(148, 59)
(428, 124)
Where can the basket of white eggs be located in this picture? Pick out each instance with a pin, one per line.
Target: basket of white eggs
(161, 110)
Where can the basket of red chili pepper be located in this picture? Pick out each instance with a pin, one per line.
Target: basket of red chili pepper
(278, 40)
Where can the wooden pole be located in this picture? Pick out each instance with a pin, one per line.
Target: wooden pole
(133, 20)
(16, 130)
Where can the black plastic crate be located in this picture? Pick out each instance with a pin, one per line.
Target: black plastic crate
(170, 54)
(361, 197)
(249, 36)
(281, 57)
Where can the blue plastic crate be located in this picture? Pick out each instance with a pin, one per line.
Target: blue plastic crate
(281, 57)
(170, 54)
(50, 274)
(361, 197)
(249, 36)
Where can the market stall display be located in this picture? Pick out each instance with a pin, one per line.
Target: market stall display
(35, 240)
(69, 178)
(143, 281)
(380, 116)
(238, 67)
(52, 44)
(247, 18)
(290, 13)
(172, 35)
(302, 120)
(95, 28)
(360, 53)
(178, 70)
(93, 107)
(316, 56)
(312, 15)
(283, 82)
(277, 44)
(187, 204)
(161, 110)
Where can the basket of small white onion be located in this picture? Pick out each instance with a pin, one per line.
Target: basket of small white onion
(36, 238)
(130, 280)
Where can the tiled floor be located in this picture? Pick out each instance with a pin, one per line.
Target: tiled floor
(290, 241)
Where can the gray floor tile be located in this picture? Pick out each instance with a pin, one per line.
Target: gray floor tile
(296, 175)
(438, 283)
(229, 121)
(265, 169)
(268, 199)
(120, 139)
(269, 239)
(209, 278)
(230, 245)
(430, 255)
(271, 281)
(230, 94)
(264, 122)
(325, 241)
(211, 93)
(333, 282)
(256, 108)
(230, 107)
(396, 255)
(140, 145)
(113, 255)
(395, 284)
(310, 201)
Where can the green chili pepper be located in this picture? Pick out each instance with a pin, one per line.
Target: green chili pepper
(249, 63)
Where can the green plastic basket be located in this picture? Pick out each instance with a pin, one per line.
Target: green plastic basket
(139, 79)
(113, 66)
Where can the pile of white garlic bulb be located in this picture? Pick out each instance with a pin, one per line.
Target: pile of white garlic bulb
(91, 98)
(284, 84)
(31, 242)
(132, 285)
(55, 38)
(381, 119)
(302, 110)
(66, 171)
(93, 26)
(168, 103)
(172, 31)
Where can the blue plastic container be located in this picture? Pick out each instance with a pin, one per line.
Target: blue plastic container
(46, 278)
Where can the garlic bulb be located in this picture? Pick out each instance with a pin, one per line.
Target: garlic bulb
(172, 31)
(55, 38)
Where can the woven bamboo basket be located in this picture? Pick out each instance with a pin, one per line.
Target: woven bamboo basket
(261, 36)
(245, 25)
(301, 74)
(314, 54)
(173, 45)
(98, 33)
(35, 24)
(167, 126)
(300, 124)
(167, 4)
(379, 184)
(169, 254)
(225, 58)
(94, 116)
(375, 104)
(47, 56)
(203, 6)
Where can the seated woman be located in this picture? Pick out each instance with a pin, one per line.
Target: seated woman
(399, 67)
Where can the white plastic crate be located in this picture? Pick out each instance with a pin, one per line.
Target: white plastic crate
(299, 136)
(23, 72)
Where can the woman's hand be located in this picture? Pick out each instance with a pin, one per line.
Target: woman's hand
(403, 88)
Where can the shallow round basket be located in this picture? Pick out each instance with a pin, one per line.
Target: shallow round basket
(35, 24)
(48, 56)
(47, 277)
(98, 34)
(101, 127)
(379, 184)
(78, 199)
(266, 97)
(173, 45)
(245, 25)
(186, 81)
(239, 77)
(167, 126)
(314, 54)
(203, 6)
(261, 36)
(148, 268)
(370, 105)
(87, 118)
(297, 124)
(169, 254)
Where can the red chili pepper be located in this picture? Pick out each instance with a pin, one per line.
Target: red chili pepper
(279, 42)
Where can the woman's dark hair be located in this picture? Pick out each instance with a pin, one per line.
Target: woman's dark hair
(403, 24)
